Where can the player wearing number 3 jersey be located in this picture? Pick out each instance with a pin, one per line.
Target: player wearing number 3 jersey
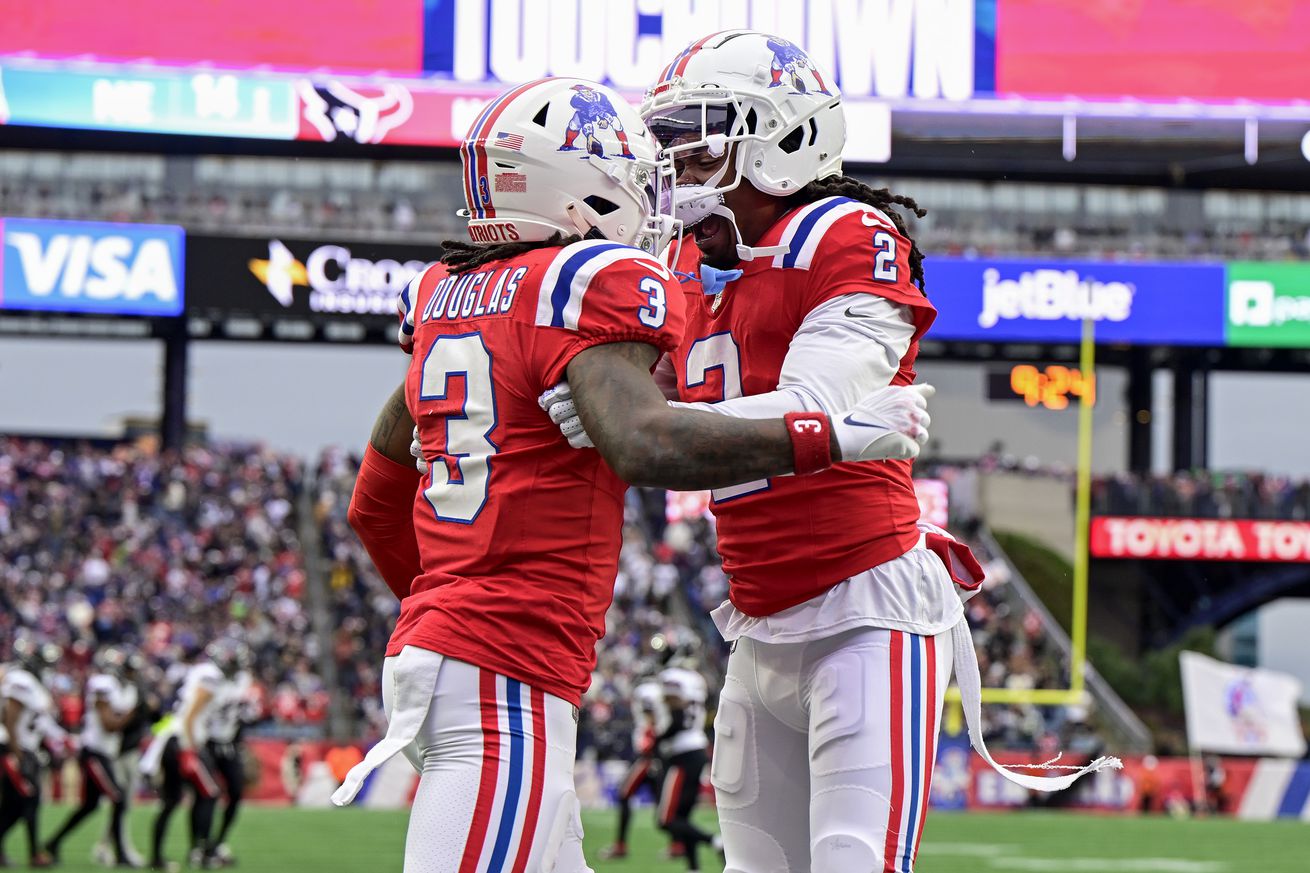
(514, 535)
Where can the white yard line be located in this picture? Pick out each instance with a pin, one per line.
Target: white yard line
(1107, 865)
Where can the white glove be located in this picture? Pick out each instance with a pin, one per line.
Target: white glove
(416, 449)
(558, 404)
(889, 424)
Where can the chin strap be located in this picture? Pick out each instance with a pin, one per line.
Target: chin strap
(745, 252)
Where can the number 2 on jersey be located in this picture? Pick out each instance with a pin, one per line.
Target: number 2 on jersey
(720, 352)
(459, 481)
(884, 263)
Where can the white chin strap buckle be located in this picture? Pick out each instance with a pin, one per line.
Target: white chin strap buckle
(692, 204)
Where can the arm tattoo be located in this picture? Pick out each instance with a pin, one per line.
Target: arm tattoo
(394, 429)
(647, 442)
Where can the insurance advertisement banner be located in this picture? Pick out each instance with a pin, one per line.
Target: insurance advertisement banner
(281, 277)
(1199, 539)
(91, 267)
(1268, 304)
(1046, 301)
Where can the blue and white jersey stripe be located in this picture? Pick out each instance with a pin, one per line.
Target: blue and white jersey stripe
(405, 309)
(804, 231)
(559, 300)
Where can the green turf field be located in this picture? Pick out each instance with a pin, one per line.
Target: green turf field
(327, 841)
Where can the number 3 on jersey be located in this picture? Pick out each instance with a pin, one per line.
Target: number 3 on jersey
(656, 309)
(468, 447)
(720, 352)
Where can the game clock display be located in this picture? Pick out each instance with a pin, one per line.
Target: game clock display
(1052, 387)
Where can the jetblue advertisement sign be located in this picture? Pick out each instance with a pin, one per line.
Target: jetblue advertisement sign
(89, 266)
(1046, 301)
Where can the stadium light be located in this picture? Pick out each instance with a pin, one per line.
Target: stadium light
(1305, 145)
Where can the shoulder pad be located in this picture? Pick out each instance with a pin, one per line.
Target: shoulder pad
(559, 299)
(806, 228)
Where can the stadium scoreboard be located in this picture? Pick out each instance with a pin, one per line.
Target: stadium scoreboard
(1051, 387)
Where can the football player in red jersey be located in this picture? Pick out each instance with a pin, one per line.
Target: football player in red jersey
(516, 534)
(842, 611)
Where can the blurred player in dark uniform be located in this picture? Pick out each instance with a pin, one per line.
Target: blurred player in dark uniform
(146, 709)
(681, 746)
(227, 719)
(180, 756)
(647, 708)
(24, 705)
(109, 707)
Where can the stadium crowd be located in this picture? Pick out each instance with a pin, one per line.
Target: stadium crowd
(1203, 494)
(123, 545)
(161, 553)
(409, 201)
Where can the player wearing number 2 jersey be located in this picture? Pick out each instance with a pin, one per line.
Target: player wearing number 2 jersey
(516, 534)
(805, 291)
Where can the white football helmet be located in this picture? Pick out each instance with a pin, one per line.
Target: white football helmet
(759, 92)
(562, 156)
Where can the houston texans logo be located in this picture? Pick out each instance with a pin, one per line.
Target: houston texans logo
(334, 109)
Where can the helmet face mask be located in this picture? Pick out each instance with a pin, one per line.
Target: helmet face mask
(761, 98)
(111, 660)
(563, 156)
(230, 656)
(35, 657)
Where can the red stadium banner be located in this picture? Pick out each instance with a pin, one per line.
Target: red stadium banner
(361, 36)
(1200, 539)
(1145, 784)
(1208, 50)
(277, 768)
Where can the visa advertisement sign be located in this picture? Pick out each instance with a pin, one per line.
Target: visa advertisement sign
(93, 267)
(1046, 301)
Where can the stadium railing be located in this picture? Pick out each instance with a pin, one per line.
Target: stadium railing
(1129, 732)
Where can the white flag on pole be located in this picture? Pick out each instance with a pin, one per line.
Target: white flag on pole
(1240, 710)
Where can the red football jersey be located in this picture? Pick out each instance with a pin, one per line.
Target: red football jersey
(518, 533)
(787, 539)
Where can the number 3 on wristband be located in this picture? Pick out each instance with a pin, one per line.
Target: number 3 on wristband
(719, 351)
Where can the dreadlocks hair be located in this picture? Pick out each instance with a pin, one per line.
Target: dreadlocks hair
(461, 257)
(879, 198)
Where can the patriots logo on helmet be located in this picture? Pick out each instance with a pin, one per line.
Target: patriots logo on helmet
(790, 60)
(593, 113)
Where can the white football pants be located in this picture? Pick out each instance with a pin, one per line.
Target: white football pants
(823, 751)
(496, 758)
